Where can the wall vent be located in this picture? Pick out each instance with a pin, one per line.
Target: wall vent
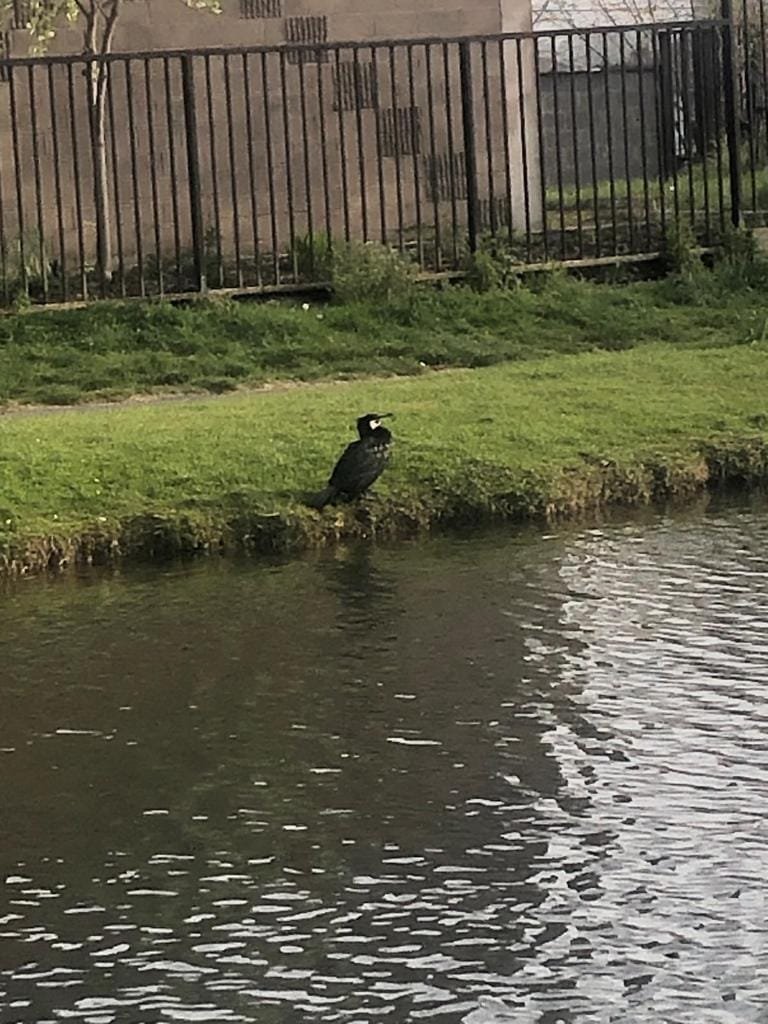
(261, 8)
(311, 29)
(400, 131)
(354, 86)
(445, 177)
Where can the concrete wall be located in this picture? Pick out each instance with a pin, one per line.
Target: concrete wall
(596, 145)
(357, 139)
(554, 14)
(169, 24)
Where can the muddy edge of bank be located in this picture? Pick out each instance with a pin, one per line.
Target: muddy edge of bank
(575, 490)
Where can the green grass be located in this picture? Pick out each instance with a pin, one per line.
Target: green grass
(109, 351)
(527, 439)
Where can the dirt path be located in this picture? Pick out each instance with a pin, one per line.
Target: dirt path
(134, 401)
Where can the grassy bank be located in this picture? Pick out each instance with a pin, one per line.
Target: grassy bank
(110, 351)
(533, 439)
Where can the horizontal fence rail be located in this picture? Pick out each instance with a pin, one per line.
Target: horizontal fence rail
(152, 174)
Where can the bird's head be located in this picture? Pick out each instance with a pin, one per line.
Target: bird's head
(370, 422)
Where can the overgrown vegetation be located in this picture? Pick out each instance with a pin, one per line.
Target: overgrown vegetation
(380, 323)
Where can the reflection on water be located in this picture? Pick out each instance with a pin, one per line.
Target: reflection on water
(499, 779)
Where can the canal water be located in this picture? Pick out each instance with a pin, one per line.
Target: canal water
(515, 777)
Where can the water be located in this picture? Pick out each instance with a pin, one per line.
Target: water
(493, 779)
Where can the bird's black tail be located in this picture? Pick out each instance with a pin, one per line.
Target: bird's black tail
(323, 498)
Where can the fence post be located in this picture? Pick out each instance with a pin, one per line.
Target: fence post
(732, 107)
(470, 156)
(193, 171)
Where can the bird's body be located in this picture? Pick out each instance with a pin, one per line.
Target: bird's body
(361, 463)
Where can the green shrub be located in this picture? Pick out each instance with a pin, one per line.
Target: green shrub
(677, 250)
(737, 245)
(312, 255)
(371, 272)
(495, 265)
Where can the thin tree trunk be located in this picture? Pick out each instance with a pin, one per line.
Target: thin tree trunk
(101, 183)
(98, 82)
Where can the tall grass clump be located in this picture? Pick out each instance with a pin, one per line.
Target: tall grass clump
(312, 255)
(495, 265)
(736, 267)
(371, 272)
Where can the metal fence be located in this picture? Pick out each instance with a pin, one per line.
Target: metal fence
(750, 41)
(241, 169)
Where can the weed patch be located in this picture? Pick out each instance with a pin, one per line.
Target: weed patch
(389, 327)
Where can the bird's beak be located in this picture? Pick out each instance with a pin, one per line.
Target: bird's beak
(385, 416)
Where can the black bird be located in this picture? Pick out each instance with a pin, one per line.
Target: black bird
(361, 462)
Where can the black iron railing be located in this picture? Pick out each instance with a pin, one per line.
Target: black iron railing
(242, 168)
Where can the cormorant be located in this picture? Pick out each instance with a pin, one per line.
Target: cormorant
(360, 464)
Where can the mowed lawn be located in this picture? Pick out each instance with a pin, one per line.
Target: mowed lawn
(470, 435)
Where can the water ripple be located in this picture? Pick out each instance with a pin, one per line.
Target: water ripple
(543, 800)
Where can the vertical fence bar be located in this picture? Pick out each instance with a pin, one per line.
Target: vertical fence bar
(288, 165)
(575, 141)
(157, 227)
(415, 157)
(193, 171)
(434, 182)
(748, 74)
(324, 161)
(524, 161)
(58, 194)
(379, 154)
(408, 132)
(305, 153)
(270, 169)
(661, 134)
(454, 170)
(23, 275)
(764, 72)
(94, 70)
(558, 143)
(116, 184)
(137, 224)
(470, 156)
(248, 106)
(172, 164)
(38, 182)
(716, 51)
(78, 182)
(644, 138)
(3, 234)
(686, 76)
(339, 101)
(609, 140)
(3, 242)
(592, 151)
(492, 220)
(625, 131)
(542, 154)
(731, 92)
(232, 170)
(505, 130)
(214, 169)
(705, 135)
(673, 51)
(357, 77)
(707, 131)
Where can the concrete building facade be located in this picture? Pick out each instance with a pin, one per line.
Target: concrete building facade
(366, 141)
